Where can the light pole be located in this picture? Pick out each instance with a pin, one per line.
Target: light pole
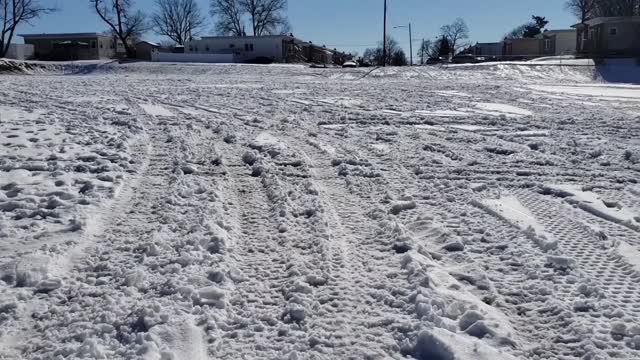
(384, 36)
(410, 42)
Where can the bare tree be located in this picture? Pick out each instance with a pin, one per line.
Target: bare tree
(14, 13)
(177, 19)
(424, 51)
(616, 8)
(376, 56)
(124, 22)
(582, 9)
(228, 14)
(267, 16)
(455, 33)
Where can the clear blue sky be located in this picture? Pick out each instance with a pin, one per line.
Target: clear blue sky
(353, 24)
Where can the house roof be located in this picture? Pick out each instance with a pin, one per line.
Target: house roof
(63, 35)
(490, 44)
(559, 31)
(614, 19)
(148, 42)
(247, 37)
(521, 40)
(550, 33)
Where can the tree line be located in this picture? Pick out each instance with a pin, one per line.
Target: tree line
(452, 40)
(178, 20)
(589, 9)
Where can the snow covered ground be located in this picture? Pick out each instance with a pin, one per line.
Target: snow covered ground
(279, 212)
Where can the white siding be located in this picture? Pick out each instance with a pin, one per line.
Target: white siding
(566, 43)
(243, 48)
(20, 51)
(192, 58)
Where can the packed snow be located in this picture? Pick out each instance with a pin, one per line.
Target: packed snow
(173, 211)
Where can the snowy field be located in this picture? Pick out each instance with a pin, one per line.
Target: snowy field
(278, 212)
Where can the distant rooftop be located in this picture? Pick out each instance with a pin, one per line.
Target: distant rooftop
(614, 19)
(555, 31)
(246, 37)
(148, 42)
(64, 35)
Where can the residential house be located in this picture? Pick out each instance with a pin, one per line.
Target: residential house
(272, 48)
(145, 48)
(609, 37)
(275, 48)
(20, 52)
(558, 42)
(318, 54)
(73, 46)
(523, 48)
(494, 49)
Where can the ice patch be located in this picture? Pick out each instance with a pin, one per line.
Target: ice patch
(453, 92)
(443, 113)
(526, 133)
(606, 92)
(300, 101)
(596, 205)
(156, 110)
(503, 108)
(512, 211)
(430, 127)
(472, 128)
(8, 113)
(441, 344)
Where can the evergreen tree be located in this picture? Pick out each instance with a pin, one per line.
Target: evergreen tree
(444, 47)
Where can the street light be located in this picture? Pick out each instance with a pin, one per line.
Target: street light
(384, 36)
(410, 42)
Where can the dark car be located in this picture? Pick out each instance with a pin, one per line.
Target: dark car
(465, 59)
(435, 60)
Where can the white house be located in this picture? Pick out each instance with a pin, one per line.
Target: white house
(559, 42)
(20, 51)
(245, 48)
(489, 49)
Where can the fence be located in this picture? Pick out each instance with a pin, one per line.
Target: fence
(191, 58)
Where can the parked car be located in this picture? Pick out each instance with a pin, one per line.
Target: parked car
(261, 60)
(350, 64)
(465, 59)
(435, 60)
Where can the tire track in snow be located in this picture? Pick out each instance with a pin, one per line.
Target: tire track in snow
(257, 303)
(593, 289)
(369, 270)
(114, 288)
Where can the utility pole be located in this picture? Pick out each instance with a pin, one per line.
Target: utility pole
(422, 52)
(410, 46)
(384, 36)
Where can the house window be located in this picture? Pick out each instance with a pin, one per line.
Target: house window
(101, 45)
(613, 31)
(250, 47)
(547, 44)
(231, 46)
(93, 44)
(207, 48)
(246, 47)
